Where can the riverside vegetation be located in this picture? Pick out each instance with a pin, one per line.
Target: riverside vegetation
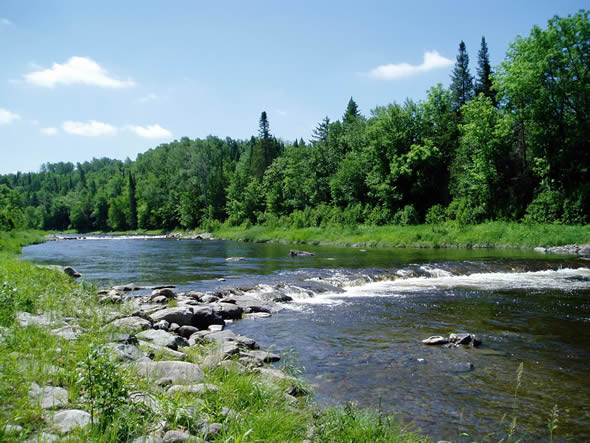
(61, 377)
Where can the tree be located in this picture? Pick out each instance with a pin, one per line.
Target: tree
(320, 133)
(352, 112)
(461, 79)
(132, 222)
(483, 84)
(263, 127)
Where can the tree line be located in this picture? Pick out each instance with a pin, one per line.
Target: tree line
(510, 143)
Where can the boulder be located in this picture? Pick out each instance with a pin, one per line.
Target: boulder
(67, 332)
(48, 396)
(178, 371)
(162, 324)
(125, 352)
(181, 315)
(228, 311)
(209, 298)
(435, 340)
(131, 324)
(68, 270)
(25, 319)
(296, 253)
(198, 388)
(162, 338)
(463, 338)
(166, 292)
(206, 316)
(177, 436)
(584, 250)
(186, 331)
(234, 259)
(152, 350)
(263, 356)
(127, 288)
(65, 421)
(159, 299)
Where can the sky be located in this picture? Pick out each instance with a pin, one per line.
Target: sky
(82, 80)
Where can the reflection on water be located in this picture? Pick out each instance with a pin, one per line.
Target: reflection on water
(362, 340)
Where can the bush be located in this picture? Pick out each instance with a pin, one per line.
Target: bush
(547, 207)
(406, 216)
(465, 212)
(436, 215)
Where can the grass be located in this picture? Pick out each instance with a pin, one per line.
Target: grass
(250, 407)
(448, 235)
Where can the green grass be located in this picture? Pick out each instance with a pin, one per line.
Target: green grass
(448, 235)
(259, 408)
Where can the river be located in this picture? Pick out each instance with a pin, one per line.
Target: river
(362, 342)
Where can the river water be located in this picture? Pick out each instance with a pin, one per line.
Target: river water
(358, 317)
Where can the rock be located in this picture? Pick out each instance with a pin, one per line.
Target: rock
(435, 340)
(132, 324)
(263, 356)
(206, 316)
(228, 311)
(234, 259)
(162, 324)
(162, 338)
(68, 270)
(125, 352)
(584, 250)
(462, 367)
(198, 388)
(462, 338)
(44, 437)
(25, 319)
(12, 429)
(67, 332)
(250, 362)
(65, 421)
(215, 328)
(187, 331)
(166, 292)
(48, 397)
(209, 298)
(180, 315)
(296, 253)
(127, 339)
(175, 436)
(148, 439)
(224, 336)
(178, 371)
(110, 299)
(127, 288)
(213, 429)
(541, 250)
(160, 299)
(258, 315)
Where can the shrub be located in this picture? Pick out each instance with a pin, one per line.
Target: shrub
(436, 215)
(547, 207)
(406, 216)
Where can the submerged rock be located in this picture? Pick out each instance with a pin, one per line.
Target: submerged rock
(297, 253)
(462, 338)
(435, 340)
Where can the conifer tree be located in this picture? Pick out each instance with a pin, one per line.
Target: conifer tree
(483, 83)
(320, 133)
(461, 79)
(352, 112)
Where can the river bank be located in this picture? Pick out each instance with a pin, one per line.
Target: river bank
(499, 235)
(59, 381)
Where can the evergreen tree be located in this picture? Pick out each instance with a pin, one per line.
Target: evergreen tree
(462, 81)
(264, 127)
(132, 203)
(352, 112)
(483, 84)
(320, 133)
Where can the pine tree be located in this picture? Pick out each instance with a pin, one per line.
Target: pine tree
(461, 79)
(264, 127)
(352, 112)
(483, 84)
(320, 133)
(132, 222)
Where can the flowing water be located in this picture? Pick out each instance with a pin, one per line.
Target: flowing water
(357, 319)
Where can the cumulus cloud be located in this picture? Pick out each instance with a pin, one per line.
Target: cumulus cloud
(150, 131)
(90, 128)
(49, 131)
(432, 60)
(7, 117)
(81, 70)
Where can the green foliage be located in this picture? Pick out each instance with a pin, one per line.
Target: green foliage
(11, 209)
(461, 79)
(406, 216)
(436, 215)
(547, 207)
(103, 385)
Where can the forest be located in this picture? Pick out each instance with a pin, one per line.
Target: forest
(510, 143)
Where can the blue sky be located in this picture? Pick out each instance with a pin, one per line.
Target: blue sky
(115, 78)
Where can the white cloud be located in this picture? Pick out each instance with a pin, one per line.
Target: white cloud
(150, 131)
(76, 70)
(432, 60)
(7, 117)
(282, 113)
(49, 131)
(91, 128)
(5, 21)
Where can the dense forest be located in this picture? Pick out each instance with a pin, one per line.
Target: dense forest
(510, 143)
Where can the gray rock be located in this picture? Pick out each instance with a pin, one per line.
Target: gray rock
(224, 336)
(254, 315)
(435, 340)
(166, 292)
(162, 324)
(174, 327)
(127, 288)
(148, 439)
(125, 352)
(198, 388)
(25, 319)
(296, 253)
(65, 421)
(462, 338)
(67, 332)
(178, 371)
(175, 436)
(68, 270)
(209, 298)
(228, 311)
(181, 315)
(234, 259)
(110, 299)
(541, 250)
(215, 328)
(206, 316)
(43, 437)
(127, 339)
(160, 299)
(263, 356)
(584, 250)
(12, 429)
(131, 324)
(48, 396)
(162, 338)
(186, 331)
